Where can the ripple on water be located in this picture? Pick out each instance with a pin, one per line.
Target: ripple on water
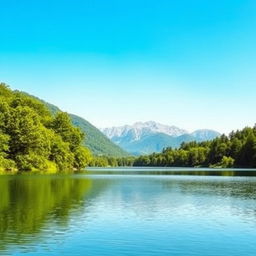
(128, 215)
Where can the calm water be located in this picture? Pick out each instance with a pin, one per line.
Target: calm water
(143, 212)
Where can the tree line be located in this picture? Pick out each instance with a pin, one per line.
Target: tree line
(238, 149)
(32, 139)
(107, 161)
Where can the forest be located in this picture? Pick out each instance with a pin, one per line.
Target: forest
(237, 150)
(32, 139)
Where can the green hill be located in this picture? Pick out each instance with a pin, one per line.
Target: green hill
(95, 140)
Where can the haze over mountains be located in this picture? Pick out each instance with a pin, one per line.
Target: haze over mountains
(148, 137)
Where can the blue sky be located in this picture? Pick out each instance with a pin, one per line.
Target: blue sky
(181, 62)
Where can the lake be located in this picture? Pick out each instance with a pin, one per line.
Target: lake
(130, 211)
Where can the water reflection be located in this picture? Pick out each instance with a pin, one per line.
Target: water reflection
(151, 195)
(127, 214)
(173, 171)
(29, 203)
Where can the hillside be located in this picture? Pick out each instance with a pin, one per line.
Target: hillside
(95, 140)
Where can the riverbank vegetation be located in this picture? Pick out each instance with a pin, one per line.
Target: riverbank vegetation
(105, 161)
(236, 150)
(32, 139)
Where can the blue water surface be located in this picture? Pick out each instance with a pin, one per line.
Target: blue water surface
(90, 214)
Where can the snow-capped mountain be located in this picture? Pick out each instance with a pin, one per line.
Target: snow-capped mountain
(148, 137)
(140, 129)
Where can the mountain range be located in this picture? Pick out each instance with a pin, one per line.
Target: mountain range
(148, 137)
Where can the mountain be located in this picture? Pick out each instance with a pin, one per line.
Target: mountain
(140, 130)
(149, 137)
(205, 134)
(95, 140)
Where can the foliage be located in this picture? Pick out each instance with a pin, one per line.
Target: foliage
(236, 150)
(32, 139)
(105, 161)
(95, 140)
(226, 162)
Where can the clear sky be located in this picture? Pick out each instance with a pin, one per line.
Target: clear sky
(190, 63)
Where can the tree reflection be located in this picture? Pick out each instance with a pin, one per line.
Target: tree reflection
(27, 203)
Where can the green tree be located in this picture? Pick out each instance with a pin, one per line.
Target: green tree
(31, 139)
(62, 125)
(248, 152)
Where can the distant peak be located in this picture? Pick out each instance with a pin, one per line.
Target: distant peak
(151, 136)
(141, 129)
